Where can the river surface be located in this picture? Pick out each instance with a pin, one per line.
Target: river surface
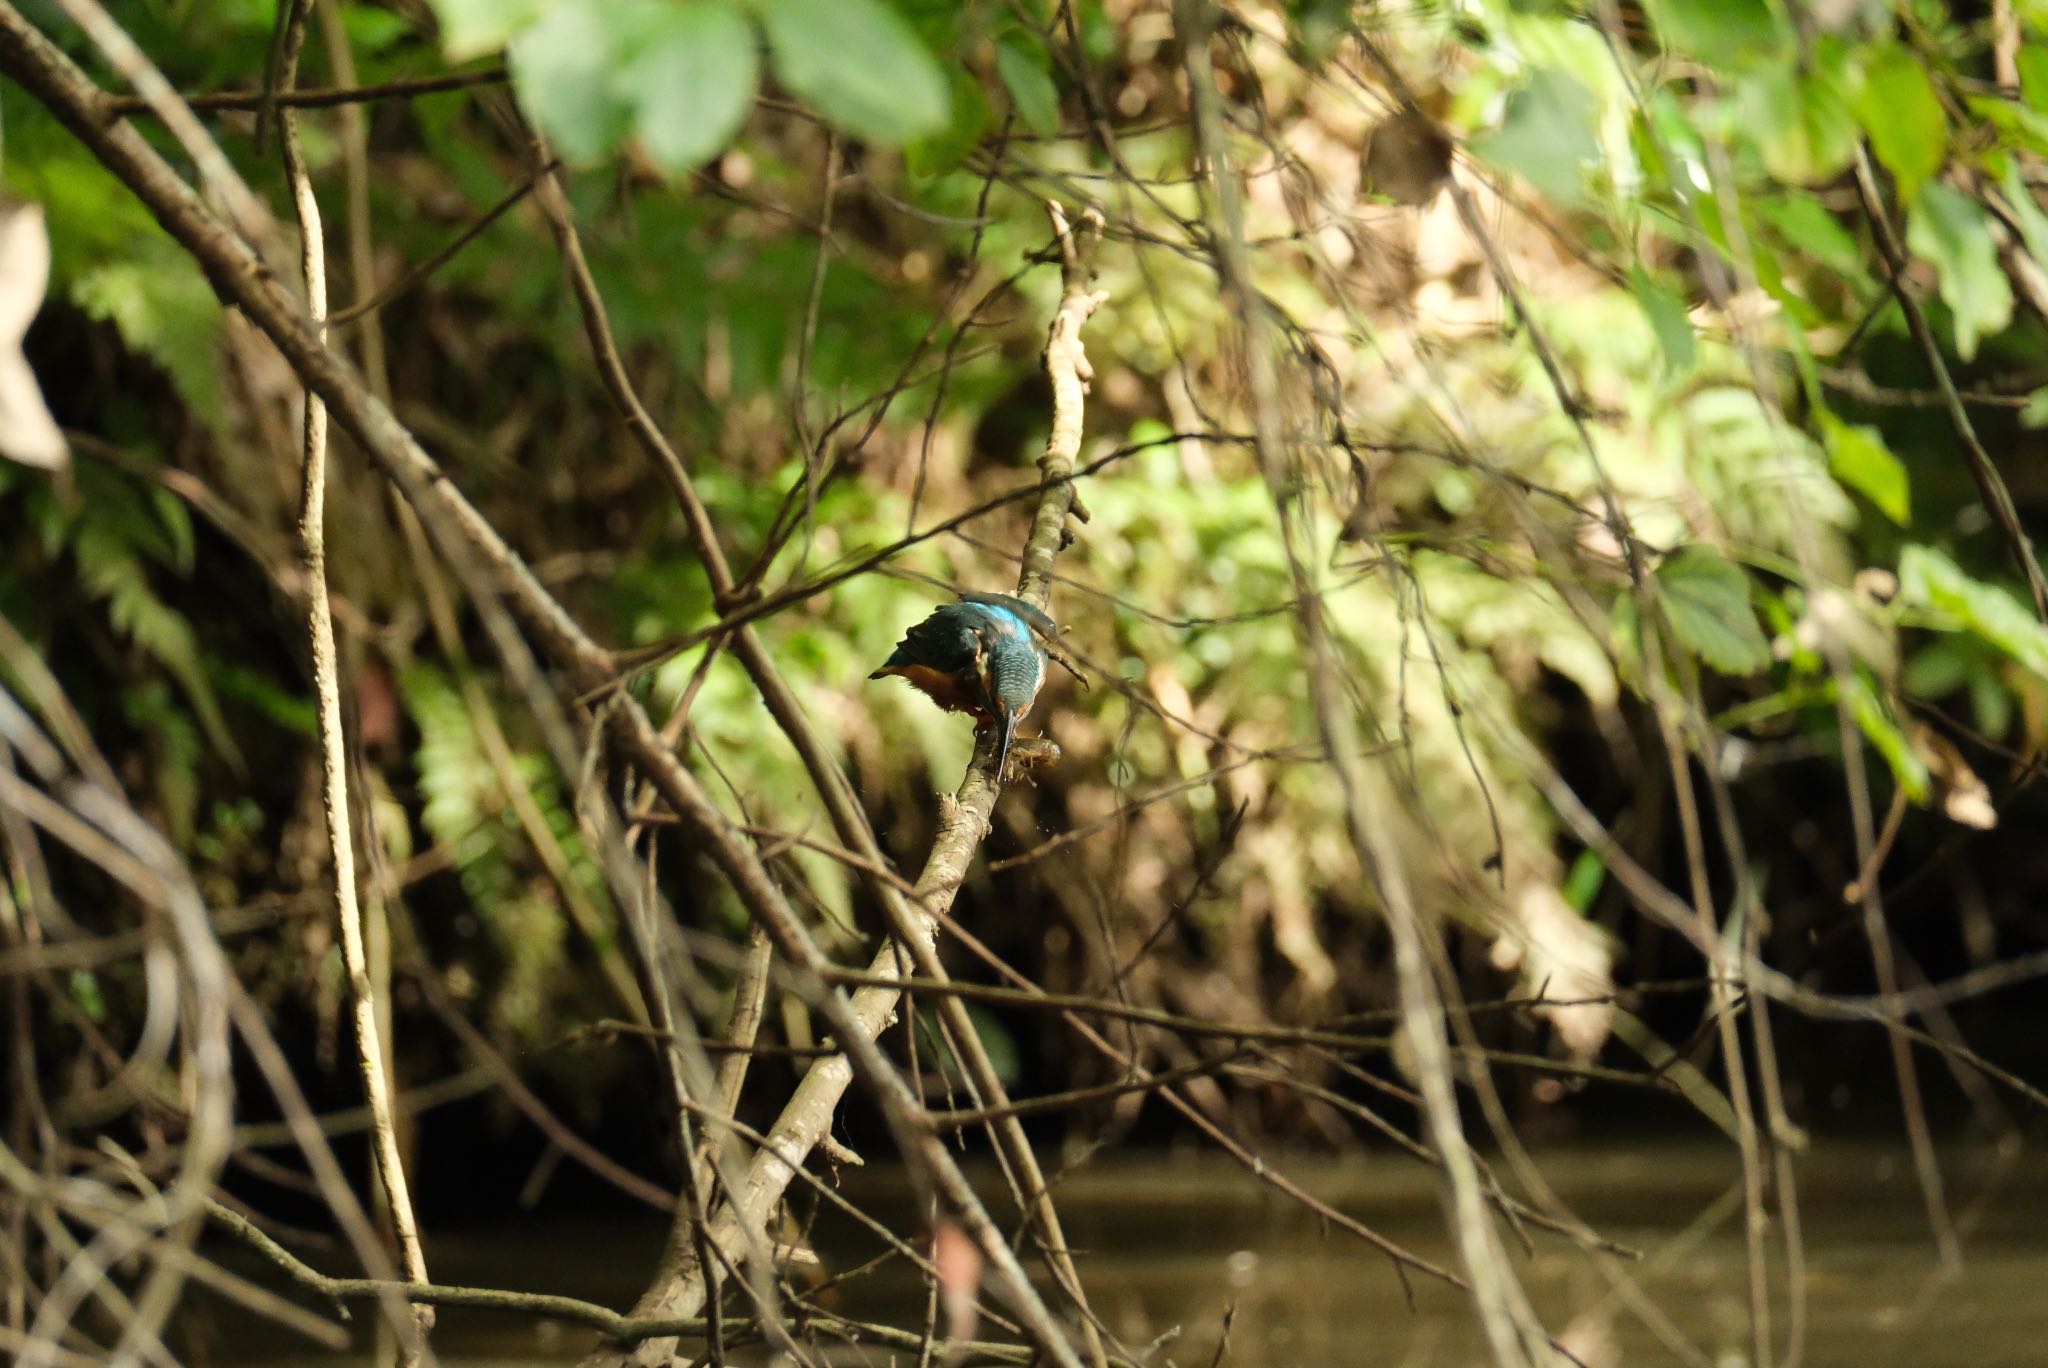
(1168, 1242)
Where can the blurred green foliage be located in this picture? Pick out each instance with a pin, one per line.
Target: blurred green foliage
(1676, 203)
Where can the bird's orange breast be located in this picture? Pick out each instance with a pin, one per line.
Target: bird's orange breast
(950, 692)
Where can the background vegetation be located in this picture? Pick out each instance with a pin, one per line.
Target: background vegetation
(1654, 391)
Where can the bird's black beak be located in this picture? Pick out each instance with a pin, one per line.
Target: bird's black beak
(1008, 723)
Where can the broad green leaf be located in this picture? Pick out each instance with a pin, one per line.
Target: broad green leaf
(1859, 458)
(471, 28)
(1801, 121)
(1805, 223)
(564, 69)
(1720, 33)
(1706, 600)
(1031, 87)
(1668, 319)
(691, 82)
(1877, 726)
(1928, 579)
(2033, 64)
(1903, 115)
(860, 63)
(1952, 231)
(1546, 136)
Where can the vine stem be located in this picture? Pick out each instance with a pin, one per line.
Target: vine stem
(370, 1049)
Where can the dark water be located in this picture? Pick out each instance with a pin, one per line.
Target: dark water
(1169, 1242)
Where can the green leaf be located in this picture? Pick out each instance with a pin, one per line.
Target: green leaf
(2035, 414)
(1546, 136)
(1031, 87)
(1582, 884)
(85, 991)
(374, 30)
(691, 82)
(1859, 458)
(2033, 64)
(253, 690)
(470, 28)
(860, 63)
(1903, 115)
(1928, 579)
(168, 314)
(2019, 127)
(1952, 231)
(1991, 704)
(1805, 223)
(1877, 726)
(1718, 32)
(1802, 122)
(564, 70)
(1706, 600)
(108, 568)
(2033, 224)
(946, 149)
(1668, 319)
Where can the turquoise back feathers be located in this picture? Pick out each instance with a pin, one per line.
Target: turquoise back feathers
(977, 656)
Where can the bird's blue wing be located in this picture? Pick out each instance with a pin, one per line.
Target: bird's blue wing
(945, 642)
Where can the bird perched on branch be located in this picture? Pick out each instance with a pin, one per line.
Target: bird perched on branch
(982, 656)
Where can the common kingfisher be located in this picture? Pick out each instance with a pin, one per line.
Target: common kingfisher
(980, 656)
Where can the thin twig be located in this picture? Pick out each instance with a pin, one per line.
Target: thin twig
(402, 88)
(418, 272)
